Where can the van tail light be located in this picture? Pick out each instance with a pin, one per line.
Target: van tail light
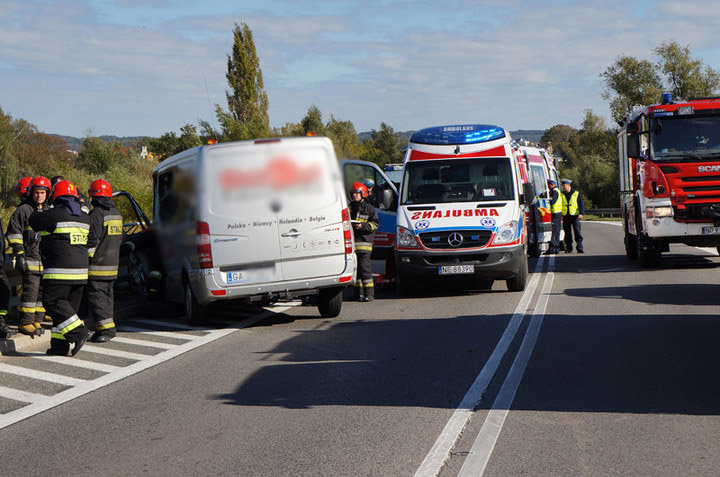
(204, 250)
(347, 232)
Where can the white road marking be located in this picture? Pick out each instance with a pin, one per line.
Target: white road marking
(115, 353)
(41, 375)
(18, 395)
(440, 451)
(40, 403)
(165, 334)
(78, 363)
(146, 343)
(482, 449)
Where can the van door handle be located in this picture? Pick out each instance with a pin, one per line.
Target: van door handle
(292, 233)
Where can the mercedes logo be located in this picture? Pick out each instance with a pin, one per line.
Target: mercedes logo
(455, 239)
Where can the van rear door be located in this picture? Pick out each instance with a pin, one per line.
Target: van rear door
(242, 214)
(310, 208)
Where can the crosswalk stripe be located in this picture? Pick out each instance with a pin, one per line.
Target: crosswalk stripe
(170, 324)
(149, 344)
(116, 353)
(41, 375)
(79, 363)
(166, 334)
(17, 395)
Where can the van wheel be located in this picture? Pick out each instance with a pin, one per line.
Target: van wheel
(195, 313)
(329, 302)
(517, 283)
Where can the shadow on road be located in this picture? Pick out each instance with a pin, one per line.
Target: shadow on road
(699, 294)
(589, 263)
(620, 364)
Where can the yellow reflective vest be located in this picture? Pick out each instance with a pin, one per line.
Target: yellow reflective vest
(570, 208)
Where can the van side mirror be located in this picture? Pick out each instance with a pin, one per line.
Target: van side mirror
(528, 194)
(633, 145)
(388, 200)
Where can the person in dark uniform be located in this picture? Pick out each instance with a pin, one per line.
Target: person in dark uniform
(5, 332)
(105, 229)
(556, 214)
(25, 245)
(573, 209)
(64, 231)
(365, 222)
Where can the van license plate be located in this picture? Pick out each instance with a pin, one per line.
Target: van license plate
(235, 277)
(711, 230)
(456, 269)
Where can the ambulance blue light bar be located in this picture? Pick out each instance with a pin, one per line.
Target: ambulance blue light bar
(458, 134)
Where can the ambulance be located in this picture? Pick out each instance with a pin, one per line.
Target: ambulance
(540, 168)
(461, 209)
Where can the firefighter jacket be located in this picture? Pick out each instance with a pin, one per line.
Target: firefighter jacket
(556, 205)
(64, 231)
(367, 216)
(105, 230)
(23, 240)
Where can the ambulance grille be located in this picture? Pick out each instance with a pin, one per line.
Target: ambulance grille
(470, 239)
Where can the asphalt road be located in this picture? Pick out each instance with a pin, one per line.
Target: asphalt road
(619, 376)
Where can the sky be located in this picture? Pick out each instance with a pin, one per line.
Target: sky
(146, 67)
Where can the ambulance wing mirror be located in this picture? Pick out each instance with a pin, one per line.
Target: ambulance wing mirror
(388, 199)
(528, 194)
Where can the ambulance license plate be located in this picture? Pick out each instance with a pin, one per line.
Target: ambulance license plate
(456, 269)
(711, 230)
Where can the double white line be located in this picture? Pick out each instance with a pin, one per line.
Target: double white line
(481, 451)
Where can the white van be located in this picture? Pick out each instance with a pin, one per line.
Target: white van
(461, 212)
(258, 220)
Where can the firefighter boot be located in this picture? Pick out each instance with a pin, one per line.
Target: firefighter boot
(103, 336)
(5, 332)
(58, 347)
(368, 290)
(38, 328)
(80, 341)
(359, 295)
(29, 330)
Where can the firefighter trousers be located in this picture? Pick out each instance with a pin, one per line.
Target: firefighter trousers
(61, 302)
(31, 308)
(101, 304)
(364, 283)
(4, 295)
(571, 224)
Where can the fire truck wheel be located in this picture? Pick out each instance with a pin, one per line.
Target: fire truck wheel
(648, 253)
(631, 249)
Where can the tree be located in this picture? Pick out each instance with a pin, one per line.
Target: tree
(97, 157)
(312, 122)
(344, 138)
(247, 115)
(383, 147)
(630, 81)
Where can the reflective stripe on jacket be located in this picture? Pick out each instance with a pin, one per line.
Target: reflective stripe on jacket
(106, 231)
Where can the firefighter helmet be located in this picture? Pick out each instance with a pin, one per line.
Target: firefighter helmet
(22, 186)
(64, 188)
(359, 187)
(40, 181)
(100, 188)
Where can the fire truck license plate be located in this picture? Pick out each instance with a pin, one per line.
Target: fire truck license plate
(711, 230)
(456, 269)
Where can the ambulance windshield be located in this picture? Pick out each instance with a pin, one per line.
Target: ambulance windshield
(457, 180)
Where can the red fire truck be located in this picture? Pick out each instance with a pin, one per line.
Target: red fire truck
(669, 155)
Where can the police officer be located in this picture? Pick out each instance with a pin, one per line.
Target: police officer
(105, 229)
(25, 246)
(365, 222)
(64, 247)
(573, 209)
(556, 214)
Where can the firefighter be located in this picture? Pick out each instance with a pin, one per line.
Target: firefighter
(105, 229)
(573, 209)
(22, 188)
(556, 214)
(5, 332)
(365, 221)
(25, 246)
(64, 246)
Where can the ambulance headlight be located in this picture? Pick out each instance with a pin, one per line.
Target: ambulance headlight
(506, 233)
(406, 238)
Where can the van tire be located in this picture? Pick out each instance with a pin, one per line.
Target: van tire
(329, 302)
(517, 283)
(195, 313)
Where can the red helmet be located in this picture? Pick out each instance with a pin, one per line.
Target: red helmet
(359, 186)
(22, 186)
(100, 188)
(40, 181)
(64, 188)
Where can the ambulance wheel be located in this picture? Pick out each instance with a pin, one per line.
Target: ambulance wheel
(403, 286)
(533, 250)
(195, 313)
(630, 245)
(329, 302)
(517, 283)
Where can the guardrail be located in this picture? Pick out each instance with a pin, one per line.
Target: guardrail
(604, 212)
